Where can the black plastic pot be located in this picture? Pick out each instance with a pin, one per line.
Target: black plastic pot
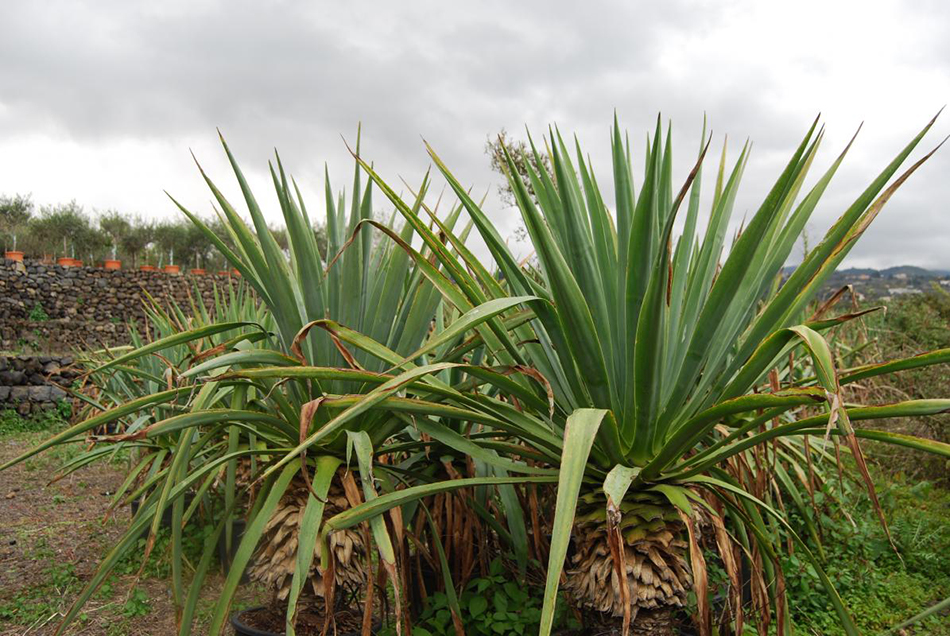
(241, 629)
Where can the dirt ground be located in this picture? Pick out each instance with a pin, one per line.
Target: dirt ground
(51, 539)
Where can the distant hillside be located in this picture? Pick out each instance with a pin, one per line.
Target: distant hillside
(911, 270)
(883, 283)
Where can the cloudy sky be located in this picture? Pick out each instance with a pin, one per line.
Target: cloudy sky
(101, 101)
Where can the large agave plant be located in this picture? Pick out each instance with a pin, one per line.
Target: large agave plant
(657, 351)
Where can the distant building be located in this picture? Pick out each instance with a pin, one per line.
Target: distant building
(899, 291)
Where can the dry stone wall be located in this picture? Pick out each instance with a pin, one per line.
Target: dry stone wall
(52, 309)
(32, 383)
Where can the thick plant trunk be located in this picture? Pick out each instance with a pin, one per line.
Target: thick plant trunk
(275, 560)
(655, 570)
(657, 575)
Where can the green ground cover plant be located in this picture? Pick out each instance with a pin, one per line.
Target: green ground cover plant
(912, 326)
(49, 420)
(494, 605)
(882, 587)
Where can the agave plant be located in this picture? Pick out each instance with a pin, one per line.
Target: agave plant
(657, 354)
(371, 287)
(201, 426)
(353, 395)
(121, 384)
(332, 394)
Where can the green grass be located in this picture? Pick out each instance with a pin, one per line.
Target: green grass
(52, 592)
(44, 598)
(875, 584)
(12, 423)
(55, 584)
(38, 314)
(37, 428)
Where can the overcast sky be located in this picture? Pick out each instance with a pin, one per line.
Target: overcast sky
(101, 101)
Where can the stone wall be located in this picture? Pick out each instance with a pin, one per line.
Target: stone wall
(31, 383)
(60, 336)
(52, 309)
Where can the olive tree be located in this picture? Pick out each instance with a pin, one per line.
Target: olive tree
(15, 213)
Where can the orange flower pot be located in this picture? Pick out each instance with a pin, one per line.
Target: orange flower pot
(147, 268)
(172, 269)
(234, 272)
(197, 271)
(67, 261)
(222, 272)
(13, 255)
(113, 264)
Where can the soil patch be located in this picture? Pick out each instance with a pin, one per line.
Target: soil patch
(52, 538)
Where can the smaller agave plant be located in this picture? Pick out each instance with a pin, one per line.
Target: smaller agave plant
(327, 388)
(358, 285)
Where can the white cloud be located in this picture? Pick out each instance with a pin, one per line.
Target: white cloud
(100, 101)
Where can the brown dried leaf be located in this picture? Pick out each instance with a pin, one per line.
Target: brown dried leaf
(618, 557)
(727, 554)
(700, 578)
